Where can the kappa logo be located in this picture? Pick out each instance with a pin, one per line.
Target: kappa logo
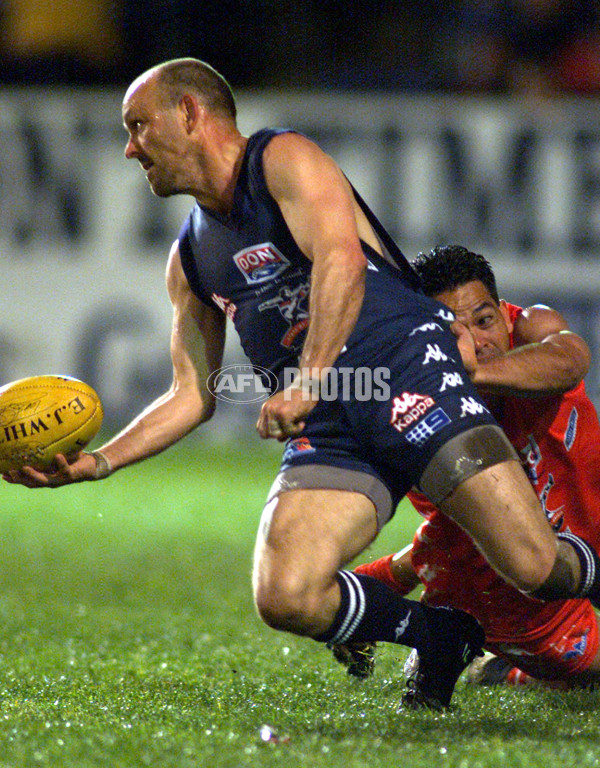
(405, 402)
(446, 314)
(470, 406)
(434, 353)
(408, 408)
(425, 328)
(260, 263)
(451, 380)
(402, 627)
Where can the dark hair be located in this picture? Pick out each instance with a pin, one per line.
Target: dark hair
(449, 266)
(180, 75)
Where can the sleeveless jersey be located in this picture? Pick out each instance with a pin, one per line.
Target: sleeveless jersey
(558, 440)
(248, 265)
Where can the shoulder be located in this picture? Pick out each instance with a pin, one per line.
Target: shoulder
(271, 142)
(537, 322)
(269, 153)
(294, 164)
(286, 147)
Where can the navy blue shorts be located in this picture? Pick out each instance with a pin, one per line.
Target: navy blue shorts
(391, 435)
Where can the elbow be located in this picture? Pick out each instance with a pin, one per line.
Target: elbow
(193, 406)
(574, 359)
(201, 407)
(585, 361)
(356, 273)
(567, 377)
(207, 411)
(576, 367)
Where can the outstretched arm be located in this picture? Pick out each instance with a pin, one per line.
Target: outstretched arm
(197, 341)
(547, 358)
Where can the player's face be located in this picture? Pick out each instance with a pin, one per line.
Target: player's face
(155, 138)
(488, 321)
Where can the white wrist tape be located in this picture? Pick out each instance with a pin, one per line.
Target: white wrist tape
(103, 465)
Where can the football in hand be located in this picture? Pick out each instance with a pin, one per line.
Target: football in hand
(41, 416)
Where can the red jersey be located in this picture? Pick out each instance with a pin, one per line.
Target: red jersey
(558, 440)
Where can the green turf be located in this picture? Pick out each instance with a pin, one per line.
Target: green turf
(128, 638)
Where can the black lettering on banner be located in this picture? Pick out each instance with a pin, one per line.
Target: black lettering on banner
(490, 190)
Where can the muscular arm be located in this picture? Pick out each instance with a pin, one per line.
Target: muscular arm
(318, 206)
(547, 358)
(197, 341)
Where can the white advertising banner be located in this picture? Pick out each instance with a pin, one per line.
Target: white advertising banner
(83, 243)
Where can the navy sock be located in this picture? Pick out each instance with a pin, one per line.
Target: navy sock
(590, 567)
(372, 611)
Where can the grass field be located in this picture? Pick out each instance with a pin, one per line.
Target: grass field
(128, 638)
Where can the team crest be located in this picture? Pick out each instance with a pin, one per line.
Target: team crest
(260, 263)
(292, 304)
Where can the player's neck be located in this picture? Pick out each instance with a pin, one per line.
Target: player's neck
(221, 172)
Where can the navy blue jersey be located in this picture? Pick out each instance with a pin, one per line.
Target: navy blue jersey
(248, 264)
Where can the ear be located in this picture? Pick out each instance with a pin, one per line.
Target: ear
(191, 109)
(504, 311)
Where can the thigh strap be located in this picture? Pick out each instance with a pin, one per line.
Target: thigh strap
(324, 476)
(463, 456)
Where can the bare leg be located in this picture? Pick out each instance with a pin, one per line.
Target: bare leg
(305, 537)
(500, 511)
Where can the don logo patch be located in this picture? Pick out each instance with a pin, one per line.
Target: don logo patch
(260, 263)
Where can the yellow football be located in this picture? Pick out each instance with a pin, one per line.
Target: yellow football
(41, 416)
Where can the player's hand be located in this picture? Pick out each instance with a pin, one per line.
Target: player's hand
(62, 472)
(466, 347)
(283, 414)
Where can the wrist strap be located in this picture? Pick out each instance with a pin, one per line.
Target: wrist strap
(103, 465)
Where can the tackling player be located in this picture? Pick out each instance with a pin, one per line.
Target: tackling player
(530, 368)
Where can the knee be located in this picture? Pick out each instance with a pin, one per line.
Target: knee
(532, 571)
(563, 579)
(289, 604)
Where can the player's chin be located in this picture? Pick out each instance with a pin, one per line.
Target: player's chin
(160, 188)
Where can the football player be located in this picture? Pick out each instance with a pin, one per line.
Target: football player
(273, 211)
(529, 367)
